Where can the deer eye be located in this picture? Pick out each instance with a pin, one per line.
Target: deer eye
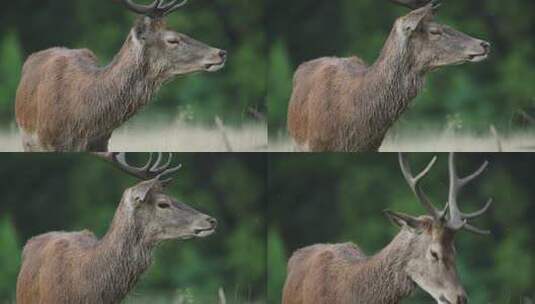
(435, 31)
(163, 205)
(173, 41)
(434, 255)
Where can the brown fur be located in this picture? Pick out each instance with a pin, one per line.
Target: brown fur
(343, 274)
(341, 104)
(63, 268)
(422, 254)
(67, 102)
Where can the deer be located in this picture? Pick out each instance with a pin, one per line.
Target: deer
(67, 101)
(76, 267)
(421, 255)
(344, 105)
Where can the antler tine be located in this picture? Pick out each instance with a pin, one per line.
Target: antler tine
(148, 171)
(141, 9)
(471, 177)
(414, 183)
(478, 213)
(166, 170)
(155, 10)
(415, 4)
(455, 220)
(476, 230)
(154, 166)
(139, 172)
(458, 220)
(171, 7)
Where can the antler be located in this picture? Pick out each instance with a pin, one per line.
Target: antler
(458, 220)
(155, 10)
(414, 4)
(414, 183)
(149, 171)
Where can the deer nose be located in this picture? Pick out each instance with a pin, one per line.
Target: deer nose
(223, 54)
(212, 221)
(485, 46)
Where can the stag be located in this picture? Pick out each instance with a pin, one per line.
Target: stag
(341, 104)
(67, 102)
(76, 267)
(422, 254)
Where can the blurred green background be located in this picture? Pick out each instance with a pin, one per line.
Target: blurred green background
(27, 26)
(341, 198)
(470, 97)
(72, 192)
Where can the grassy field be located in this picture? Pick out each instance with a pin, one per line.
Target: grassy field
(179, 297)
(178, 137)
(186, 296)
(440, 141)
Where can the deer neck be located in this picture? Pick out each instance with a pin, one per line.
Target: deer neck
(124, 87)
(390, 84)
(384, 276)
(121, 257)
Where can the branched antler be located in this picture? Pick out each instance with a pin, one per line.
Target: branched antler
(458, 220)
(414, 183)
(450, 216)
(414, 4)
(151, 169)
(157, 9)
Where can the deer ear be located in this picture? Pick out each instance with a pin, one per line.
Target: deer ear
(402, 219)
(413, 20)
(142, 28)
(140, 192)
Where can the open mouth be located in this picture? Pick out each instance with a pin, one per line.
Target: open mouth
(477, 57)
(203, 232)
(213, 67)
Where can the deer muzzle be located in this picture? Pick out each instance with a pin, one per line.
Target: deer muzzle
(216, 61)
(481, 54)
(205, 226)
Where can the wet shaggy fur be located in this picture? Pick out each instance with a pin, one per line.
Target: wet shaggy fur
(65, 268)
(62, 267)
(341, 104)
(73, 105)
(343, 274)
(67, 102)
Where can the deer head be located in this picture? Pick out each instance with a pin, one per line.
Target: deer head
(169, 53)
(158, 215)
(433, 45)
(431, 264)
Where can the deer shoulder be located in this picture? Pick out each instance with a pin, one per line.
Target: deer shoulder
(318, 100)
(317, 273)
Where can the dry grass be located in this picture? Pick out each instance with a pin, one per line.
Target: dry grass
(187, 296)
(464, 142)
(436, 141)
(178, 137)
(187, 138)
